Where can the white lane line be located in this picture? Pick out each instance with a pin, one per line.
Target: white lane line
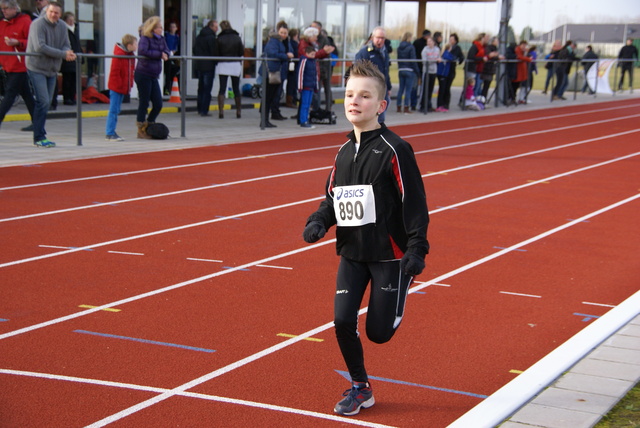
(161, 195)
(168, 168)
(155, 233)
(598, 304)
(205, 378)
(126, 253)
(260, 156)
(460, 168)
(187, 226)
(204, 260)
(521, 294)
(275, 267)
(208, 397)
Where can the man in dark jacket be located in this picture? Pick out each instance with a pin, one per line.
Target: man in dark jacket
(68, 68)
(627, 53)
(419, 45)
(376, 52)
(205, 69)
(588, 60)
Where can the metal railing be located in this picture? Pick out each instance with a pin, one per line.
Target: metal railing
(184, 59)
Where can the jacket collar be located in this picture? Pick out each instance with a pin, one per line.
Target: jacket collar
(367, 136)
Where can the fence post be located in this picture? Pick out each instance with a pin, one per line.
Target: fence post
(264, 112)
(78, 100)
(183, 96)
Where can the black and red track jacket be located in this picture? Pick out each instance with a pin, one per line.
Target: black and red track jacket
(388, 163)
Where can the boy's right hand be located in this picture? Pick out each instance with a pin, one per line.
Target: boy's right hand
(313, 232)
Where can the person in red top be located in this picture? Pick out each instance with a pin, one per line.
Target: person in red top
(522, 72)
(310, 38)
(476, 58)
(120, 82)
(14, 30)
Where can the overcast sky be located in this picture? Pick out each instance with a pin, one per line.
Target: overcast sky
(541, 15)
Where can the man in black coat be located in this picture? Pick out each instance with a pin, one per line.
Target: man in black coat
(418, 45)
(628, 52)
(205, 69)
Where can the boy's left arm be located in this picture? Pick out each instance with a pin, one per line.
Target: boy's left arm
(415, 213)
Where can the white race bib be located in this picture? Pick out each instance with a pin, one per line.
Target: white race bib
(354, 205)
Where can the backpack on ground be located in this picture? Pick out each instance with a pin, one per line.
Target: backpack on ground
(158, 131)
(322, 117)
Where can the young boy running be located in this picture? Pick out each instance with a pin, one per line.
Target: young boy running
(376, 197)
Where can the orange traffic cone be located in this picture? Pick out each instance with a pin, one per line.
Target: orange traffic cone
(175, 92)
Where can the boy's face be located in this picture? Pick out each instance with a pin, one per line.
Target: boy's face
(133, 46)
(363, 103)
(311, 54)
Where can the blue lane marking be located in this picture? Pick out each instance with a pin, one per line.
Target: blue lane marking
(153, 342)
(75, 248)
(419, 292)
(504, 248)
(587, 317)
(230, 218)
(3, 320)
(401, 382)
(231, 267)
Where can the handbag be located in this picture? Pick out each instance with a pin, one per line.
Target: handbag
(274, 77)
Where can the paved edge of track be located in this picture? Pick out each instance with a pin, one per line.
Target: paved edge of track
(514, 395)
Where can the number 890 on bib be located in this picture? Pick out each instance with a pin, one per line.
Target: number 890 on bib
(354, 205)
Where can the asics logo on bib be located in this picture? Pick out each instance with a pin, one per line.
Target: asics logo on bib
(349, 193)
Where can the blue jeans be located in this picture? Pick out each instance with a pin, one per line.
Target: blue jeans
(115, 102)
(43, 88)
(205, 85)
(407, 80)
(148, 90)
(306, 95)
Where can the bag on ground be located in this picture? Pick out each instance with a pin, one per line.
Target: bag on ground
(322, 117)
(158, 131)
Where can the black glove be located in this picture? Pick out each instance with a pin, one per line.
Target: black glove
(412, 263)
(313, 231)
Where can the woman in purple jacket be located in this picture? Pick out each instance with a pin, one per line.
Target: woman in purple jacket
(153, 48)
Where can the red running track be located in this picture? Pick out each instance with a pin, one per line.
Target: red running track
(173, 288)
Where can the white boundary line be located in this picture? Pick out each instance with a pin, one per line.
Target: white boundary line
(205, 378)
(469, 128)
(508, 399)
(187, 226)
(268, 177)
(208, 397)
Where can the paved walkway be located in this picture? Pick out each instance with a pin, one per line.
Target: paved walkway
(578, 399)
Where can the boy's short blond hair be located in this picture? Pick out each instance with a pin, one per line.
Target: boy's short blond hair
(366, 68)
(128, 39)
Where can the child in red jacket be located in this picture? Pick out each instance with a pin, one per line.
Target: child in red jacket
(120, 82)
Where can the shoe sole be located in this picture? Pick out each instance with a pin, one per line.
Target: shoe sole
(366, 404)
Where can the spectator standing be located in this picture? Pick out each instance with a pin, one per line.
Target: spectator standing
(383, 249)
(68, 68)
(456, 52)
(519, 80)
(476, 58)
(628, 52)
(229, 45)
(171, 67)
(588, 60)
(418, 45)
(565, 56)
(430, 58)
(292, 75)
(50, 38)
(325, 67)
(205, 45)
(120, 82)
(277, 60)
(442, 73)
(310, 38)
(533, 66)
(489, 69)
(307, 84)
(551, 65)
(407, 73)
(376, 52)
(153, 48)
(283, 33)
(14, 31)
